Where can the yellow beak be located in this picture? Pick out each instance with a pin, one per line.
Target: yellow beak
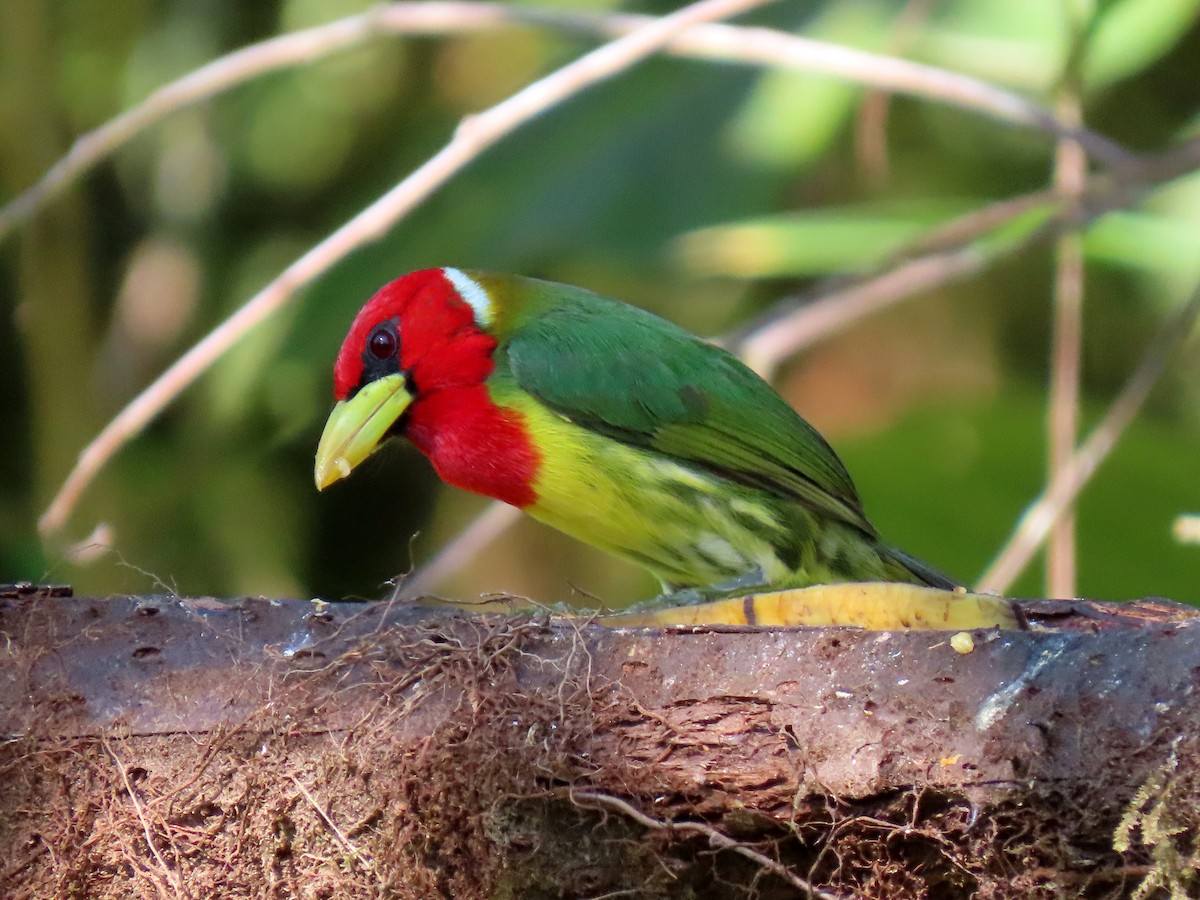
(356, 427)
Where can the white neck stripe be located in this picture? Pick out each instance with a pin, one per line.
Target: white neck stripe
(472, 292)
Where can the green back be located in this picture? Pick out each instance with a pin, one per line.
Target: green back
(628, 374)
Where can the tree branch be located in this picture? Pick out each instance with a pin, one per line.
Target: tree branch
(472, 752)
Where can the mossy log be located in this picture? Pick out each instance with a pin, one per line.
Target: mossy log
(160, 746)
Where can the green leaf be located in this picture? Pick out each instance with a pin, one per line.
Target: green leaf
(837, 239)
(1145, 242)
(1132, 35)
(1017, 44)
(792, 118)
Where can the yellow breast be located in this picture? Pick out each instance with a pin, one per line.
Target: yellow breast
(661, 514)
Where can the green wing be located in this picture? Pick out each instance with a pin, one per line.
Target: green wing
(623, 372)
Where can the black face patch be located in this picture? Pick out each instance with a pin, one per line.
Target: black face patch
(381, 355)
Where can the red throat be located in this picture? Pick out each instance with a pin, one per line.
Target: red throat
(473, 443)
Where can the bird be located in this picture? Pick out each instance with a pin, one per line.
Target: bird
(608, 423)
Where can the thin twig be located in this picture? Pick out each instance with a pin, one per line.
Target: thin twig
(767, 347)
(1041, 515)
(347, 844)
(972, 225)
(496, 519)
(870, 129)
(752, 46)
(716, 838)
(1062, 412)
(474, 135)
(171, 875)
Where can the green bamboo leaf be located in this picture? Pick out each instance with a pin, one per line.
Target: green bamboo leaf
(791, 119)
(838, 239)
(1018, 43)
(1132, 35)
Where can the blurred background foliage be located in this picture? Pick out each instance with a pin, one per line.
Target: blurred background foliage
(701, 191)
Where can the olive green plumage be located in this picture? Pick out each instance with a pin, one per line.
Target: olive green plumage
(663, 448)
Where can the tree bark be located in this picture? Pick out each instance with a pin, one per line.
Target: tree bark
(158, 746)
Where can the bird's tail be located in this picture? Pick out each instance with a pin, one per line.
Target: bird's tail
(918, 571)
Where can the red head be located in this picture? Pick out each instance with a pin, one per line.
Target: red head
(415, 362)
(421, 325)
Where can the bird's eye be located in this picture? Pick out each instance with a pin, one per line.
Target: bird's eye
(382, 343)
